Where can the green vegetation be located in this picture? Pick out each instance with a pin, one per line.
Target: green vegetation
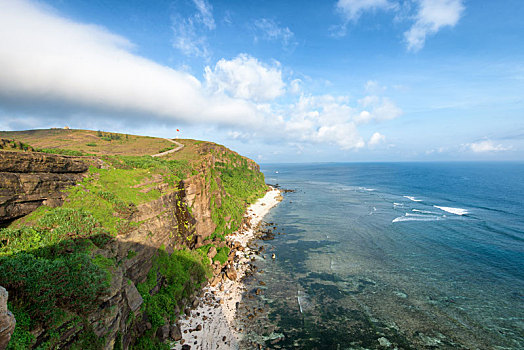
(65, 152)
(48, 270)
(222, 254)
(183, 271)
(78, 140)
(242, 186)
(166, 149)
(57, 262)
(108, 136)
(14, 145)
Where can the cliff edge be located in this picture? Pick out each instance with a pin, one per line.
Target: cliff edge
(107, 251)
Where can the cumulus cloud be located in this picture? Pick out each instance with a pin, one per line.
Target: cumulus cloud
(51, 63)
(190, 33)
(432, 15)
(246, 78)
(270, 30)
(376, 139)
(328, 119)
(486, 146)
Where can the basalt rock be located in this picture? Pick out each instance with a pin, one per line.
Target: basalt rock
(29, 180)
(7, 320)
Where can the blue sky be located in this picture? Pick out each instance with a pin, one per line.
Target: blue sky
(278, 81)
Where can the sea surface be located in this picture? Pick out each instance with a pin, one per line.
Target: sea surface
(393, 255)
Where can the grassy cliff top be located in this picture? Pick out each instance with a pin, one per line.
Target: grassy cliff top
(103, 143)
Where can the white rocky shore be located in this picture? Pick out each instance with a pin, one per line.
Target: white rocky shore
(210, 325)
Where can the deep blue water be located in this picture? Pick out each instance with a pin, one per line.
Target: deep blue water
(406, 255)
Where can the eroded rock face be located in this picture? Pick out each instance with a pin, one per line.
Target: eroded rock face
(29, 180)
(31, 162)
(7, 320)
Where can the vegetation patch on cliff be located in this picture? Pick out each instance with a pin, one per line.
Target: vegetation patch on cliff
(242, 186)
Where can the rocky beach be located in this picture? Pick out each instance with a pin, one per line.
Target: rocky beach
(211, 323)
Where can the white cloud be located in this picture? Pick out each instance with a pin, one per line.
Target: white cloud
(377, 109)
(376, 139)
(190, 33)
(486, 146)
(331, 119)
(50, 63)
(246, 78)
(432, 15)
(63, 71)
(429, 17)
(205, 13)
(270, 30)
(295, 86)
(353, 9)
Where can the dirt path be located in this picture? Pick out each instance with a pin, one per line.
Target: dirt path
(180, 146)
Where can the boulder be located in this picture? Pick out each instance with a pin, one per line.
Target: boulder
(212, 252)
(231, 273)
(174, 333)
(163, 332)
(7, 320)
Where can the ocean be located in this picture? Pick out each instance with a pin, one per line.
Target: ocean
(393, 255)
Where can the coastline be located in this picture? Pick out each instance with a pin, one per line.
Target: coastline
(210, 324)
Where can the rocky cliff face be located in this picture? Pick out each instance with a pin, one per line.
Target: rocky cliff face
(28, 180)
(180, 217)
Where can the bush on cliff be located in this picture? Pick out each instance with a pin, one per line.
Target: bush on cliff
(178, 274)
(49, 272)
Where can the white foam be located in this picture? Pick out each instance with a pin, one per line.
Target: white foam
(456, 211)
(416, 218)
(397, 204)
(413, 199)
(366, 189)
(424, 211)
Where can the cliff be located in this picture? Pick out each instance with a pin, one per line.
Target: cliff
(105, 252)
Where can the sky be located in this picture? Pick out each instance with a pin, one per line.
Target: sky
(277, 81)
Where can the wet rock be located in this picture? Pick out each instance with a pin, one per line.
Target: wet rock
(186, 347)
(384, 342)
(199, 328)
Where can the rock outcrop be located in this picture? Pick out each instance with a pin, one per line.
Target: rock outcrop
(7, 320)
(29, 180)
(180, 217)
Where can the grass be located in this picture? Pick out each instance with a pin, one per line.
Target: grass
(242, 186)
(76, 140)
(183, 272)
(52, 279)
(54, 261)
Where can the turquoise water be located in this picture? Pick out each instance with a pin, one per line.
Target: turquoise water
(407, 256)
